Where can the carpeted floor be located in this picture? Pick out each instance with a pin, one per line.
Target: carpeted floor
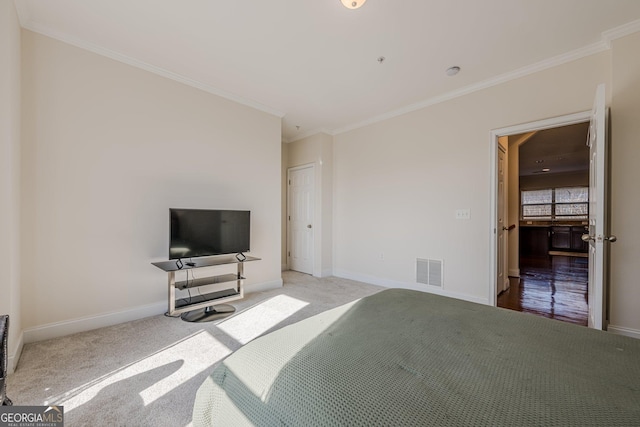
(146, 372)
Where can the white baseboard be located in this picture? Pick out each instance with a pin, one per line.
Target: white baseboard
(388, 283)
(514, 272)
(621, 330)
(12, 360)
(87, 323)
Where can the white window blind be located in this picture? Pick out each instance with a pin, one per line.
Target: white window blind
(555, 203)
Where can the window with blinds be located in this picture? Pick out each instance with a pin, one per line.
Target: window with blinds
(555, 203)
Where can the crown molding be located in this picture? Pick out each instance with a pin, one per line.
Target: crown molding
(24, 15)
(604, 44)
(503, 78)
(65, 38)
(621, 31)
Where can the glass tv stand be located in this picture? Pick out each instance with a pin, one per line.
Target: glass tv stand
(212, 305)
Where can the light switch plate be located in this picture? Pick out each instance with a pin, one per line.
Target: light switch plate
(463, 213)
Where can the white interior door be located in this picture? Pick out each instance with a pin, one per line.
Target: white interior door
(300, 219)
(597, 237)
(501, 283)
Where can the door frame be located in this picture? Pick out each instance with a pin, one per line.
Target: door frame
(566, 120)
(315, 220)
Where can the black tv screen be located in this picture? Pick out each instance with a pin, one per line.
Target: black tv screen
(203, 232)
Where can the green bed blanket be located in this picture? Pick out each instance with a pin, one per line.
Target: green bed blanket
(409, 358)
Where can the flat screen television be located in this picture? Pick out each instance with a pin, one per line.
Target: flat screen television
(206, 232)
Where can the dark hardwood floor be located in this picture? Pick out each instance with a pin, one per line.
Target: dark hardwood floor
(553, 286)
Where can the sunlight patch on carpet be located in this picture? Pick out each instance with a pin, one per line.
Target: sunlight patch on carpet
(257, 320)
(196, 352)
(155, 375)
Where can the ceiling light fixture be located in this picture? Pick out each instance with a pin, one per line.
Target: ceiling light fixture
(352, 4)
(452, 71)
(546, 170)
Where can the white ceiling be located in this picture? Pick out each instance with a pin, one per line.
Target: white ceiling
(314, 62)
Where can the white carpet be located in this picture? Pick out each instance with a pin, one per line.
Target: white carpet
(146, 372)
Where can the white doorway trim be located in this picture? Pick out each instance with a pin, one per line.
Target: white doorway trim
(554, 122)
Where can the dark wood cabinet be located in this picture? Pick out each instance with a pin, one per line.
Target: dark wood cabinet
(534, 241)
(560, 238)
(576, 239)
(539, 240)
(568, 238)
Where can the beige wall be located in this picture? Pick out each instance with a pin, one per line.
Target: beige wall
(10, 175)
(318, 150)
(107, 150)
(399, 182)
(625, 175)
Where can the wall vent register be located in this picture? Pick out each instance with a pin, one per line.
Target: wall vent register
(429, 272)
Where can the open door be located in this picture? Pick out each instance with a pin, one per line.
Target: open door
(598, 233)
(300, 219)
(503, 280)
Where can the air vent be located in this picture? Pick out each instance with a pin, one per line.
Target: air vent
(429, 271)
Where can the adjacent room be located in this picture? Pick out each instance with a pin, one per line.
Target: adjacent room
(316, 213)
(548, 264)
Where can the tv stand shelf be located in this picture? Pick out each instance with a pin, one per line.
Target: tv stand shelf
(206, 303)
(206, 298)
(212, 280)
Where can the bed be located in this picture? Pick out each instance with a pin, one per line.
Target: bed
(403, 357)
